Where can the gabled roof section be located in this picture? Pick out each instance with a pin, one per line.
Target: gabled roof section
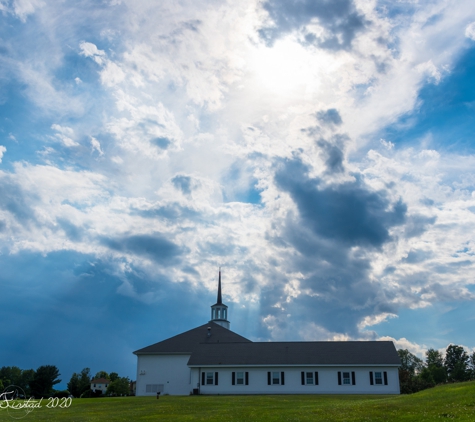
(297, 353)
(189, 341)
(100, 381)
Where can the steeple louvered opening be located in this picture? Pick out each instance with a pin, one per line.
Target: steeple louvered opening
(219, 311)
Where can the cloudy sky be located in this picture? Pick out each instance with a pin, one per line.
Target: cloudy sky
(320, 151)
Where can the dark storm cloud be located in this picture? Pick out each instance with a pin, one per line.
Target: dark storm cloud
(14, 200)
(155, 247)
(321, 238)
(451, 266)
(86, 310)
(349, 212)
(446, 293)
(332, 150)
(161, 142)
(333, 154)
(338, 17)
(418, 224)
(182, 183)
(329, 117)
(73, 232)
(171, 211)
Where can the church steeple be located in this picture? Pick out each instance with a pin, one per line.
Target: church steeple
(219, 300)
(219, 311)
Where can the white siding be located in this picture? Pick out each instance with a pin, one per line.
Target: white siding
(169, 370)
(328, 381)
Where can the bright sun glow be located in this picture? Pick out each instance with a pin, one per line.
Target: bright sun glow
(284, 68)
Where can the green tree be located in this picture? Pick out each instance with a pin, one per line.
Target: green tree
(11, 375)
(119, 387)
(27, 376)
(456, 363)
(102, 374)
(426, 377)
(409, 362)
(79, 383)
(435, 365)
(113, 376)
(434, 358)
(471, 364)
(42, 383)
(85, 380)
(73, 385)
(411, 365)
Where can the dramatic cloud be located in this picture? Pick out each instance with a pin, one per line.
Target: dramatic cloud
(327, 24)
(152, 246)
(348, 213)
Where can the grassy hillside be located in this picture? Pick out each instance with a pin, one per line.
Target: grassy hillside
(454, 402)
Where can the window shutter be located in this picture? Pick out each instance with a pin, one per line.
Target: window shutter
(385, 378)
(247, 378)
(316, 378)
(268, 378)
(302, 377)
(371, 378)
(234, 378)
(353, 379)
(282, 380)
(202, 378)
(339, 378)
(215, 378)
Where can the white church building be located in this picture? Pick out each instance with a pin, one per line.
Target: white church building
(212, 359)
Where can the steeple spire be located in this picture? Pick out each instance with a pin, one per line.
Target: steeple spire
(219, 311)
(219, 301)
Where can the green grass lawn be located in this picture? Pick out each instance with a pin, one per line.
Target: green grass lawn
(448, 402)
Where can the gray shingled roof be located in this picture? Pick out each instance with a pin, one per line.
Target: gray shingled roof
(297, 353)
(189, 341)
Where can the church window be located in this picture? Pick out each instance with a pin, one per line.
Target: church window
(309, 376)
(240, 378)
(273, 378)
(378, 379)
(209, 378)
(346, 378)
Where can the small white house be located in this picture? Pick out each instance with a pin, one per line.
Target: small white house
(211, 359)
(100, 384)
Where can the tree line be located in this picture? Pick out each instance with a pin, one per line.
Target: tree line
(416, 374)
(40, 383)
(37, 383)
